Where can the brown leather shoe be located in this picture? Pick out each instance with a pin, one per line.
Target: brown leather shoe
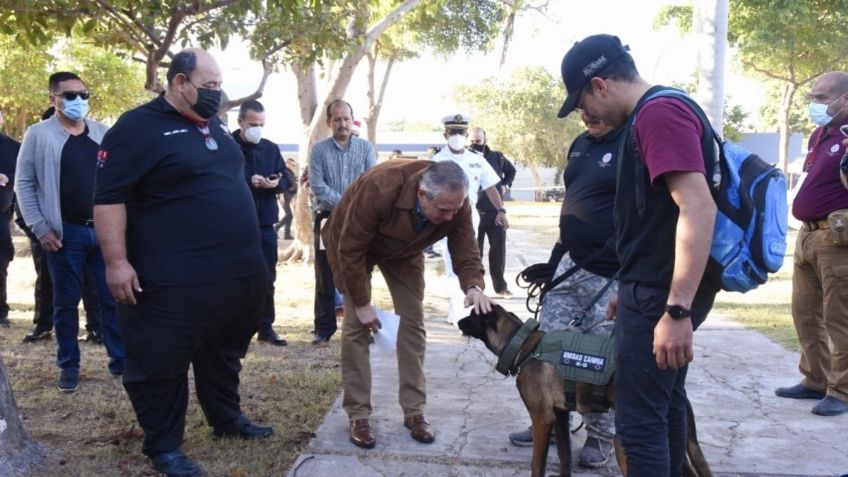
(421, 430)
(361, 433)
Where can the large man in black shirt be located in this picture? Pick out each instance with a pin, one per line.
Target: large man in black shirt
(265, 174)
(183, 258)
(489, 225)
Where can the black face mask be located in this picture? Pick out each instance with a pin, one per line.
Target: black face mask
(477, 147)
(208, 102)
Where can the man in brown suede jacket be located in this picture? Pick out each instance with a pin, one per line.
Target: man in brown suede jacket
(386, 219)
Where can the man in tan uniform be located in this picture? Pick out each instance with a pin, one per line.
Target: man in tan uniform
(386, 219)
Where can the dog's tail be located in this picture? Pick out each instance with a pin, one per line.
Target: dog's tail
(695, 464)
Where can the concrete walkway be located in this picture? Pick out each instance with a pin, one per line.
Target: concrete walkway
(744, 429)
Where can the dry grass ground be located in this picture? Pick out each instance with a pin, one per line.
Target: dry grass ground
(93, 432)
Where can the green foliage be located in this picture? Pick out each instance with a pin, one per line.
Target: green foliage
(735, 122)
(679, 16)
(280, 31)
(116, 84)
(23, 84)
(519, 115)
(799, 117)
(446, 26)
(791, 40)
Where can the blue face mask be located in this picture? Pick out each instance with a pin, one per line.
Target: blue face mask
(818, 114)
(75, 109)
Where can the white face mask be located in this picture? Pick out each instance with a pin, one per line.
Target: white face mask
(456, 142)
(253, 134)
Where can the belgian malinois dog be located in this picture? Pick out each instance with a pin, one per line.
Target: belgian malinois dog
(542, 388)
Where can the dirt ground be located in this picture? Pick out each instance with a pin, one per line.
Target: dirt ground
(93, 432)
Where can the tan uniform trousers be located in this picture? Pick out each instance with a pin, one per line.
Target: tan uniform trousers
(411, 343)
(820, 311)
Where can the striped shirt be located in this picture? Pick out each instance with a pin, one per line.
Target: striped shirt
(332, 169)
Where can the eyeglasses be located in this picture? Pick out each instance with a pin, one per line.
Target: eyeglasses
(72, 95)
(211, 144)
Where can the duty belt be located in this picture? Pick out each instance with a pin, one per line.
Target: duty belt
(816, 224)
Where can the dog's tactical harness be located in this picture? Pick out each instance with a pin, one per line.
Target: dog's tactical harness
(579, 358)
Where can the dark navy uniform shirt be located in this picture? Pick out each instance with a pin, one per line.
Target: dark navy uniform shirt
(8, 160)
(186, 220)
(586, 221)
(263, 159)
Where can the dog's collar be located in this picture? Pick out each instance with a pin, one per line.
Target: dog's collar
(513, 347)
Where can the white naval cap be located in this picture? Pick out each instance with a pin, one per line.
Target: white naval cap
(456, 121)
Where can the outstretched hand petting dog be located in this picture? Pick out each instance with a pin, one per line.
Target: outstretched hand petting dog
(481, 303)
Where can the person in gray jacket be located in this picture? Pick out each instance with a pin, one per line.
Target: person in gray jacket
(54, 184)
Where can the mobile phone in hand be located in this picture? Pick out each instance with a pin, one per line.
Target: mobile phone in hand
(273, 177)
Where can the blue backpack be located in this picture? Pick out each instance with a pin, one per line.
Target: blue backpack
(749, 240)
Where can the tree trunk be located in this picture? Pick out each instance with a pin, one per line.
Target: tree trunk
(315, 124)
(300, 249)
(783, 116)
(540, 191)
(18, 454)
(710, 17)
(375, 98)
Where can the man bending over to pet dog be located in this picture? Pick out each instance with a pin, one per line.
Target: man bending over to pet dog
(664, 215)
(386, 219)
(586, 240)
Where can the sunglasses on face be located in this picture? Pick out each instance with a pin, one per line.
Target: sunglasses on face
(72, 95)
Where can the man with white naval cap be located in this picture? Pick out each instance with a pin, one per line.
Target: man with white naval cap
(480, 175)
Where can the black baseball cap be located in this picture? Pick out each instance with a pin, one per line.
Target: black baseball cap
(585, 60)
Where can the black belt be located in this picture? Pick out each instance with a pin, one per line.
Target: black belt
(816, 224)
(83, 222)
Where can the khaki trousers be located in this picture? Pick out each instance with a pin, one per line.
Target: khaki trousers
(411, 344)
(820, 311)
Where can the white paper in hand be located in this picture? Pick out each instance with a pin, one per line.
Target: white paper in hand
(386, 338)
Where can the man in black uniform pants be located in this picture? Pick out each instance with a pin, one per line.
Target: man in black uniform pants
(264, 171)
(8, 156)
(183, 259)
(488, 212)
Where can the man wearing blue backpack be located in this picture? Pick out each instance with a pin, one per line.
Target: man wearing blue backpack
(820, 278)
(663, 244)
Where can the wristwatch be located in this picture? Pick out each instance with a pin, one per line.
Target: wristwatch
(677, 312)
(502, 210)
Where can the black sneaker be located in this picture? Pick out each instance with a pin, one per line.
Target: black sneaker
(93, 337)
(522, 438)
(242, 428)
(37, 335)
(68, 380)
(799, 391)
(830, 406)
(318, 340)
(175, 464)
(272, 339)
